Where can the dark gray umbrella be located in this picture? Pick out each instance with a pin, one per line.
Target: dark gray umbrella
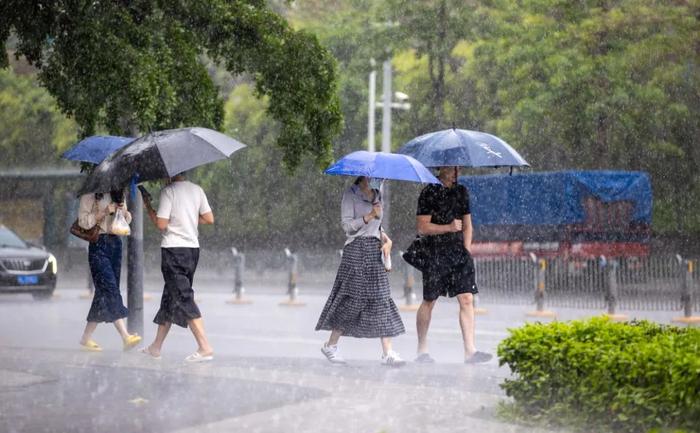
(463, 148)
(160, 155)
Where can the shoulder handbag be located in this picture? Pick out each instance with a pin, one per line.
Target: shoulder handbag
(418, 254)
(91, 235)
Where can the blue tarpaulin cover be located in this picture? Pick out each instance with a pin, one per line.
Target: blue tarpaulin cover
(554, 198)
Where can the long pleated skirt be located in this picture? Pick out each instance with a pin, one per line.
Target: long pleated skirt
(360, 303)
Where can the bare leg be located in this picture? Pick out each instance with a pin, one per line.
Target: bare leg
(423, 316)
(197, 328)
(121, 328)
(466, 322)
(162, 332)
(335, 336)
(87, 333)
(386, 345)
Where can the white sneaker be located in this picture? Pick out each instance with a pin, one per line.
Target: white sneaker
(332, 354)
(392, 359)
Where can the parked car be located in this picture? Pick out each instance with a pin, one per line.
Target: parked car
(25, 267)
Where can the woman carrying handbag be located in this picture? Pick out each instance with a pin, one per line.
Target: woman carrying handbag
(109, 213)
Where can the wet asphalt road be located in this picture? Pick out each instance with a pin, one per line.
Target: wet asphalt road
(268, 374)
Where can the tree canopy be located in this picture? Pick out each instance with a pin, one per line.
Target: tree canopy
(572, 85)
(137, 66)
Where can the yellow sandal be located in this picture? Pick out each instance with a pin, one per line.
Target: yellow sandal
(91, 346)
(131, 341)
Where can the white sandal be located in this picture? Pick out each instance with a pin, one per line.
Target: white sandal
(145, 351)
(198, 357)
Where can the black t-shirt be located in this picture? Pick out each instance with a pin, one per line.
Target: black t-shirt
(443, 204)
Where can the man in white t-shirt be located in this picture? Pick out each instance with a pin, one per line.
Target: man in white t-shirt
(181, 208)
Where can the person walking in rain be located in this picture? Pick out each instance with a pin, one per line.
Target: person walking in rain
(105, 260)
(360, 303)
(181, 208)
(444, 218)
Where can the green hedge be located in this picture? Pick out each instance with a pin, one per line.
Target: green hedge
(597, 375)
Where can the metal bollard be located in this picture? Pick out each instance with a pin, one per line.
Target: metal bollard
(541, 267)
(686, 277)
(610, 270)
(408, 290)
(478, 310)
(292, 290)
(238, 289)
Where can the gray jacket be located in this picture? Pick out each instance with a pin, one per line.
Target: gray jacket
(352, 208)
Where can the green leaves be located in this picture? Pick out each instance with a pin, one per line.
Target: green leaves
(138, 66)
(595, 85)
(34, 130)
(598, 375)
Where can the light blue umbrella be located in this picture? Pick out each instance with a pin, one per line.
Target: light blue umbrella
(462, 148)
(96, 148)
(382, 165)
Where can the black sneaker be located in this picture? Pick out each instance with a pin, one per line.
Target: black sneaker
(424, 358)
(478, 357)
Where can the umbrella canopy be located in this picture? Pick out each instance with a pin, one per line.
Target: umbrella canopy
(462, 148)
(96, 148)
(382, 165)
(160, 155)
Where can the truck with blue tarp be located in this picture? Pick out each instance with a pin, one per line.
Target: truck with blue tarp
(570, 214)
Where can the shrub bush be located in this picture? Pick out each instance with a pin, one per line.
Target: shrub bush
(597, 375)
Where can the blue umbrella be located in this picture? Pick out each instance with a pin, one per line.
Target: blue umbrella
(96, 148)
(462, 148)
(382, 165)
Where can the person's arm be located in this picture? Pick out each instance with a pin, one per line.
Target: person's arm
(426, 206)
(386, 243)
(150, 211)
(127, 214)
(350, 223)
(467, 228)
(468, 231)
(165, 203)
(207, 218)
(160, 223)
(426, 228)
(89, 214)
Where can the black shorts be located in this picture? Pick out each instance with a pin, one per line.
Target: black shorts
(455, 281)
(177, 304)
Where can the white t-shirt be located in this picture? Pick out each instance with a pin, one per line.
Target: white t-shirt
(182, 202)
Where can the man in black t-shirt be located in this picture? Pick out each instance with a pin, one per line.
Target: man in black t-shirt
(444, 218)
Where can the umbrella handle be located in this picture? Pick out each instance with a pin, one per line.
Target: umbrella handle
(144, 192)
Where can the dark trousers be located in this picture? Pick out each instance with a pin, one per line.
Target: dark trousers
(177, 305)
(105, 260)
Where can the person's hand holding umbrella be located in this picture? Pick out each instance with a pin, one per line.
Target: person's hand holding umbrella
(147, 199)
(376, 213)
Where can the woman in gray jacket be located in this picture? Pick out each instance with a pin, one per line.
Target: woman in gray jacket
(360, 303)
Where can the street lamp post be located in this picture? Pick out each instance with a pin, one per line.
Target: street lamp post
(386, 105)
(372, 106)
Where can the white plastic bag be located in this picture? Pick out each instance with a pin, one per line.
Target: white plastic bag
(386, 260)
(119, 225)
